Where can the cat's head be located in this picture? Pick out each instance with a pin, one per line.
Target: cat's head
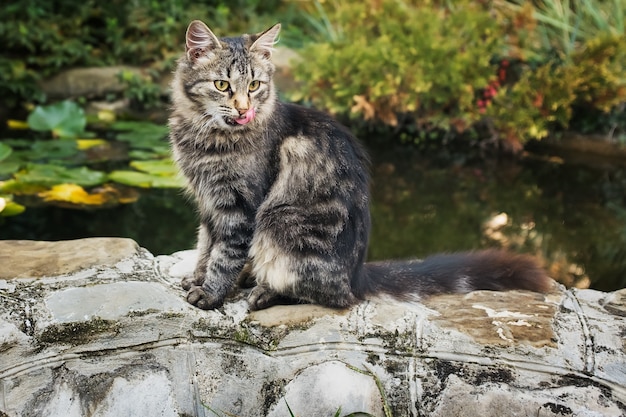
(226, 82)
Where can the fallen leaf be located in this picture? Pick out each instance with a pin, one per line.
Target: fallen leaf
(362, 105)
(83, 144)
(17, 124)
(72, 193)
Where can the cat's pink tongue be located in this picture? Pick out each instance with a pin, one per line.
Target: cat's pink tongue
(247, 117)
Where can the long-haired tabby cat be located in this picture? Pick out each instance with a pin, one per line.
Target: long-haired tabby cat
(283, 196)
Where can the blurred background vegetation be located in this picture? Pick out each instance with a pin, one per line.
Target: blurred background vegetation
(427, 75)
(516, 70)
(507, 70)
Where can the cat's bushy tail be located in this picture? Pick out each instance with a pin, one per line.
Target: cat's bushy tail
(453, 273)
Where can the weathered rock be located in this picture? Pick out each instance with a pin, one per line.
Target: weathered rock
(34, 259)
(100, 82)
(115, 337)
(86, 82)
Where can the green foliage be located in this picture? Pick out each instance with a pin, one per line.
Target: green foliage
(5, 151)
(54, 169)
(160, 173)
(41, 37)
(64, 119)
(399, 58)
(146, 140)
(456, 66)
(566, 24)
(49, 175)
(546, 96)
(142, 91)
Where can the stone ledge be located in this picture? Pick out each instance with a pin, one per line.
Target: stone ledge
(35, 259)
(115, 337)
(86, 82)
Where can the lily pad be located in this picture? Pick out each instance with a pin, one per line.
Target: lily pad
(144, 180)
(18, 143)
(9, 167)
(75, 194)
(5, 151)
(142, 135)
(141, 127)
(64, 119)
(45, 150)
(10, 208)
(144, 154)
(49, 175)
(84, 144)
(162, 167)
(20, 188)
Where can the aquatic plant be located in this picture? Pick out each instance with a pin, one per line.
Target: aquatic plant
(51, 164)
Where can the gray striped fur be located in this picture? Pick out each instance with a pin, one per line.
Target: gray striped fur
(283, 190)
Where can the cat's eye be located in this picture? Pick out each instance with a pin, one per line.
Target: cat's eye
(254, 85)
(221, 85)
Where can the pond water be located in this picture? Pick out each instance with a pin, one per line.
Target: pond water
(572, 216)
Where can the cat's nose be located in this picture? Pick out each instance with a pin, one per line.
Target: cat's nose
(241, 105)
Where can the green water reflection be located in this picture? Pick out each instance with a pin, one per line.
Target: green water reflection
(574, 217)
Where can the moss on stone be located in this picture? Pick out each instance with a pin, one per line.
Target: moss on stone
(77, 333)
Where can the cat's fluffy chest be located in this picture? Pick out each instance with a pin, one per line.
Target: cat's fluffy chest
(228, 179)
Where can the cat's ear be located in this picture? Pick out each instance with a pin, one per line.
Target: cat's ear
(265, 41)
(200, 41)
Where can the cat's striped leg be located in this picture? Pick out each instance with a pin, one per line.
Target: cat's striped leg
(218, 267)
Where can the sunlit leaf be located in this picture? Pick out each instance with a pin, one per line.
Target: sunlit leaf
(5, 151)
(17, 124)
(83, 144)
(20, 188)
(64, 119)
(144, 180)
(107, 116)
(49, 175)
(133, 178)
(73, 193)
(167, 182)
(10, 208)
(163, 167)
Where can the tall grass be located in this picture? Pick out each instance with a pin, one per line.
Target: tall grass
(566, 24)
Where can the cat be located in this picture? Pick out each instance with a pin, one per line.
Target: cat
(283, 193)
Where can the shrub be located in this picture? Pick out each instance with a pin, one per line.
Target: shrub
(453, 66)
(544, 97)
(41, 37)
(396, 58)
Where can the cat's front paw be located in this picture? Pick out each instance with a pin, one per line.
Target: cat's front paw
(193, 281)
(261, 298)
(198, 297)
